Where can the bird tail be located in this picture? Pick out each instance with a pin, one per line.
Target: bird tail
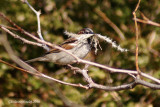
(36, 59)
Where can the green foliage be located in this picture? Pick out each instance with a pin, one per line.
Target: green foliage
(72, 15)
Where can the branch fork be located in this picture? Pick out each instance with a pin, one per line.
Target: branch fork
(46, 45)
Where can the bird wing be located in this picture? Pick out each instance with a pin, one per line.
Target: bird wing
(66, 45)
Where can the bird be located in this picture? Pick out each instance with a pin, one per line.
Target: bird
(72, 44)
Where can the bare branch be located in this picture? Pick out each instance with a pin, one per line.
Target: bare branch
(113, 70)
(37, 39)
(147, 22)
(89, 80)
(38, 13)
(21, 38)
(136, 27)
(92, 84)
(28, 68)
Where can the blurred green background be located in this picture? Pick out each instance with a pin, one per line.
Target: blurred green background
(73, 15)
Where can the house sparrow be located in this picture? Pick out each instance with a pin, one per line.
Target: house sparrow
(73, 45)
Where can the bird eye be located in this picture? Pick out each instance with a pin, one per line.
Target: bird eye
(87, 32)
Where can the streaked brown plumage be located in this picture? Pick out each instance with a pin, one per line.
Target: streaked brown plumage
(80, 49)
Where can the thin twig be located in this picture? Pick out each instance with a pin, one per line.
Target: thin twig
(114, 70)
(94, 64)
(88, 79)
(37, 39)
(39, 74)
(136, 27)
(21, 38)
(8, 27)
(147, 22)
(62, 82)
(20, 69)
(28, 68)
(110, 23)
(92, 84)
(38, 13)
(108, 68)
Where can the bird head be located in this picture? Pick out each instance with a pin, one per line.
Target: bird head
(86, 31)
